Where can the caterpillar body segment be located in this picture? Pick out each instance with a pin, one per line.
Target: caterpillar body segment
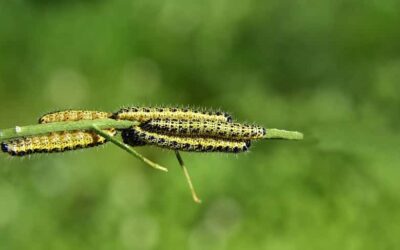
(73, 115)
(200, 128)
(137, 136)
(54, 142)
(143, 114)
(131, 137)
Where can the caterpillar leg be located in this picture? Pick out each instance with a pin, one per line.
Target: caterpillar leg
(129, 149)
(187, 176)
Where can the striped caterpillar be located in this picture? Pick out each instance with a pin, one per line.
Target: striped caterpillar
(143, 114)
(178, 129)
(198, 128)
(138, 137)
(76, 115)
(187, 130)
(73, 115)
(173, 128)
(59, 141)
(54, 142)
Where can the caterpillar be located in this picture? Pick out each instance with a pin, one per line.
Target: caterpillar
(59, 141)
(78, 115)
(198, 128)
(136, 136)
(73, 115)
(143, 114)
(54, 142)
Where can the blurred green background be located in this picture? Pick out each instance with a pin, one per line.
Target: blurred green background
(330, 69)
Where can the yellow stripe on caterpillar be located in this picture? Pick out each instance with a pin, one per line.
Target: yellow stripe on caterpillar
(199, 128)
(143, 114)
(54, 142)
(73, 115)
(138, 137)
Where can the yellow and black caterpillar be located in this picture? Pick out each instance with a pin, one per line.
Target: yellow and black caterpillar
(187, 129)
(54, 142)
(143, 114)
(59, 141)
(73, 115)
(167, 127)
(208, 129)
(138, 137)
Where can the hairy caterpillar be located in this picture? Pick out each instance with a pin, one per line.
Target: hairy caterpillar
(143, 114)
(54, 142)
(59, 141)
(198, 128)
(78, 115)
(139, 137)
(73, 115)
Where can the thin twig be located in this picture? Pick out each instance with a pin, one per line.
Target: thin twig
(128, 149)
(273, 133)
(188, 179)
(39, 129)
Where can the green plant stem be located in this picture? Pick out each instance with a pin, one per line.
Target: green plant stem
(38, 129)
(99, 125)
(128, 149)
(88, 125)
(274, 133)
(187, 176)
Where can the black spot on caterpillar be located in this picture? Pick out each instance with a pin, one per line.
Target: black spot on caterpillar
(54, 142)
(199, 128)
(139, 137)
(73, 115)
(143, 114)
